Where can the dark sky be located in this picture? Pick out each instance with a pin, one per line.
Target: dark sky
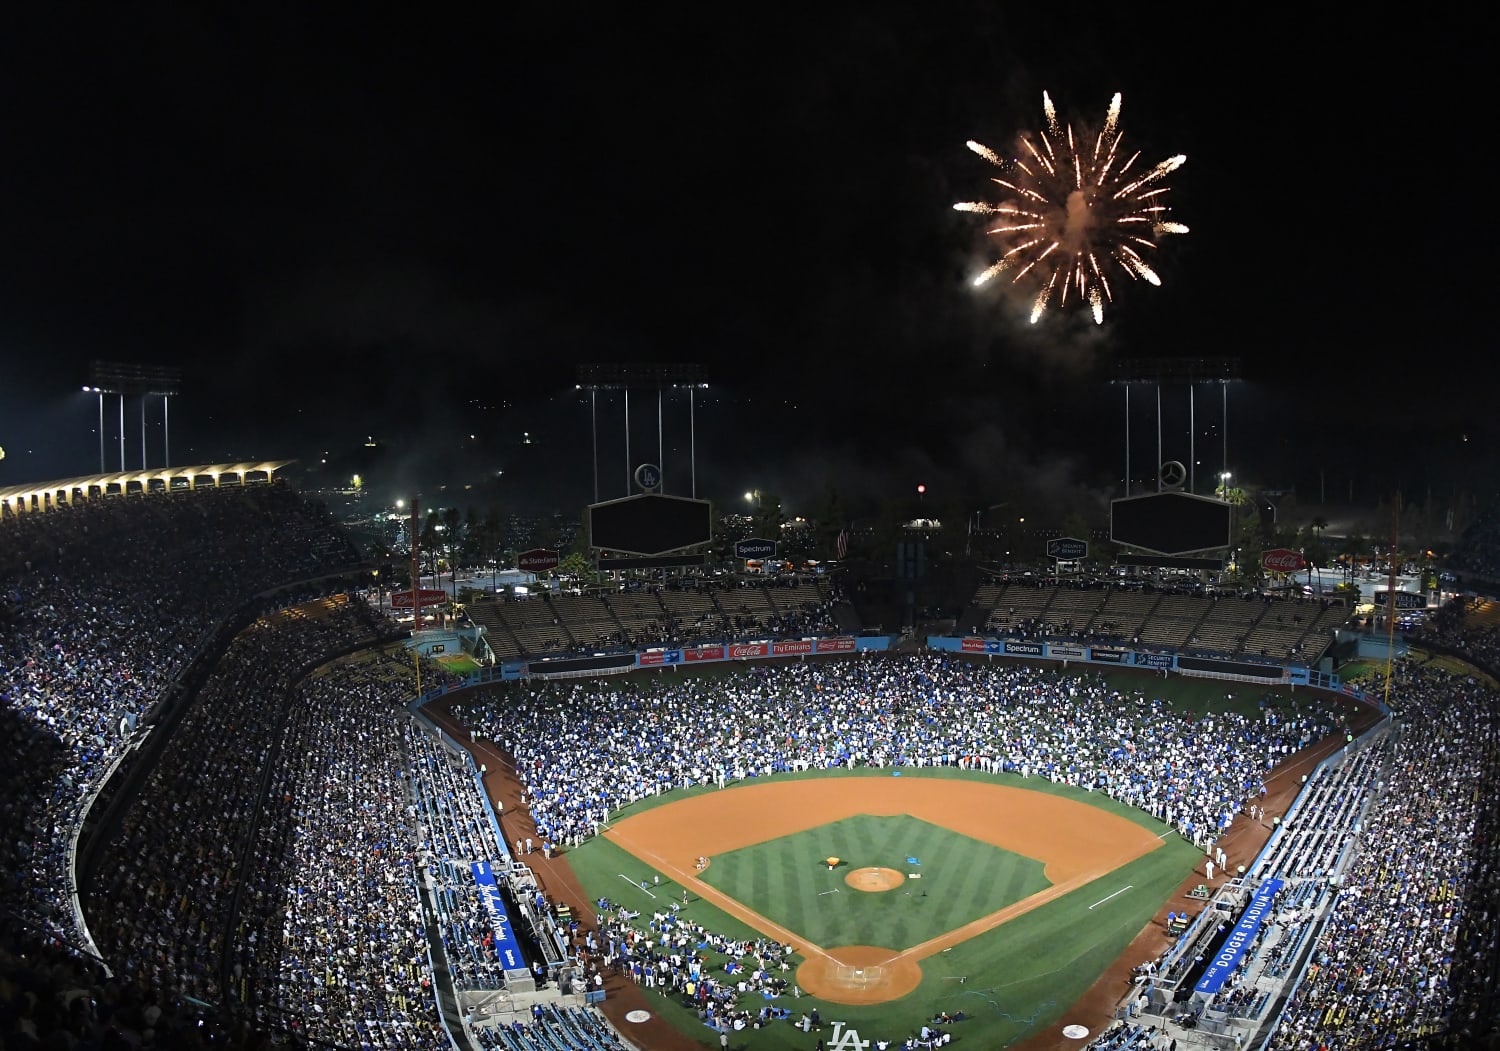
(414, 228)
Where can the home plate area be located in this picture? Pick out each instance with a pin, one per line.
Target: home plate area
(859, 974)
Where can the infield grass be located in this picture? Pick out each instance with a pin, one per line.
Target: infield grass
(958, 879)
(1010, 983)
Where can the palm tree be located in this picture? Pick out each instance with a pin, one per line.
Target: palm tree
(453, 532)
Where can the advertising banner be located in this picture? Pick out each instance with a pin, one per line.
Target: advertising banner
(741, 650)
(703, 653)
(1108, 656)
(755, 547)
(1024, 649)
(506, 947)
(655, 657)
(1228, 957)
(1067, 652)
(537, 560)
(429, 597)
(835, 646)
(1067, 548)
(1151, 660)
(972, 645)
(792, 647)
(1282, 560)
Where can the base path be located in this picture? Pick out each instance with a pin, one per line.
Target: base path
(1244, 841)
(672, 837)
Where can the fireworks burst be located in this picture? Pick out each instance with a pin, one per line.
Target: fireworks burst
(1075, 213)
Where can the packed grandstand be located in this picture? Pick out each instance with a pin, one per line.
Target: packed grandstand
(228, 825)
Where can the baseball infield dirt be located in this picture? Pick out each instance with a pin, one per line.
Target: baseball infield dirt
(671, 838)
(874, 880)
(1093, 1010)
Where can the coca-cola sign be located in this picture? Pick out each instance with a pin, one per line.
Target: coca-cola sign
(751, 649)
(1282, 560)
(537, 560)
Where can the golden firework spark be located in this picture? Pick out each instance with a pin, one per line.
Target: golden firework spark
(1073, 212)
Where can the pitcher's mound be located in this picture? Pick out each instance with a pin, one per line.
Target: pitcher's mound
(859, 974)
(873, 879)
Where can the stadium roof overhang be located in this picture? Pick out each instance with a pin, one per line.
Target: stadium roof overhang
(40, 495)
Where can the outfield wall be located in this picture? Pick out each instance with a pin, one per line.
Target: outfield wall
(1120, 657)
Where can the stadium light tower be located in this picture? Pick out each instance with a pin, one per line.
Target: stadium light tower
(643, 376)
(96, 390)
(134, 380)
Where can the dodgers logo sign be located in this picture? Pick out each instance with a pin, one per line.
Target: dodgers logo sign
(846, 1039)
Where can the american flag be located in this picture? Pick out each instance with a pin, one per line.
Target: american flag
(843, 543)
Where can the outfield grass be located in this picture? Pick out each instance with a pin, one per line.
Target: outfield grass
(1012, 981)
(1016, 979)
(960, 879)
(459, 664)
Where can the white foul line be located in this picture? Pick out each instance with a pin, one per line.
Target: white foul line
(643, 890)
(1116, 894)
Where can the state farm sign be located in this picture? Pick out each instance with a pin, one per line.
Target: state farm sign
(537, 560)
(1282, 560)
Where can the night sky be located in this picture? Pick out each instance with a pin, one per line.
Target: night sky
(412, 229)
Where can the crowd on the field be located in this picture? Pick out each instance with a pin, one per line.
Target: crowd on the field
(585, 748)
(106, 603)
(310, 812)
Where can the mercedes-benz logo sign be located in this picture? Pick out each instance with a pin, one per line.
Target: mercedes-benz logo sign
(648, 477)
(1173, 474)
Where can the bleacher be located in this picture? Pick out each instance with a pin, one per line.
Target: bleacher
(535, 626)
(1228, 623)
(1123, 614)
(641, 616)
(695, 614)
(1292, 628)
(1017, 603)
(502, 641)
(588, 620)
(552, 1028)
(454, 829)
(1175, 621)
(1271, 628)
(1071, 609)
(748, 607)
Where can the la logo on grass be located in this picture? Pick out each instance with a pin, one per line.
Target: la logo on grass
(846, 1039)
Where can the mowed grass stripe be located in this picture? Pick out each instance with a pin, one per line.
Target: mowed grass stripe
(1021, 976)
(787, 881)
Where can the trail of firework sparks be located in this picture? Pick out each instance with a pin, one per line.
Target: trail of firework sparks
(1073, 214)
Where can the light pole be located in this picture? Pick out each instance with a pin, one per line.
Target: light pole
(96, 390)
(134, 380)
